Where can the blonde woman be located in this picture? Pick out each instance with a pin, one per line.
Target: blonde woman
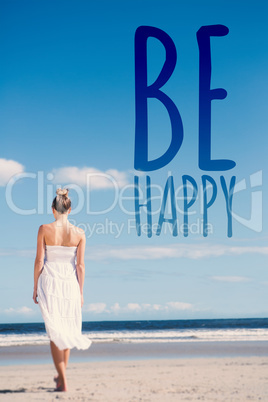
(59, 273)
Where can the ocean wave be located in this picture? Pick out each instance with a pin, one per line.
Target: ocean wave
(197, 335)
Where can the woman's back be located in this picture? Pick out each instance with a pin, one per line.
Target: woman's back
(62, 234)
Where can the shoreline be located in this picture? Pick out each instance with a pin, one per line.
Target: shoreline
(123, 351)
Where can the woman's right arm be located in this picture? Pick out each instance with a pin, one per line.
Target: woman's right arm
(80, 265)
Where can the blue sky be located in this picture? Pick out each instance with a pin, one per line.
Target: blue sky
(67, 104)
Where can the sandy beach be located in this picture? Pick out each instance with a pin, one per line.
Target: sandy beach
(223, 379)
(237, 373)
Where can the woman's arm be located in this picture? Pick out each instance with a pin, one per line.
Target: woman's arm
(39, 260)
(80, 265)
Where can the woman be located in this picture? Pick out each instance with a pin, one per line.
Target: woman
(59, 273)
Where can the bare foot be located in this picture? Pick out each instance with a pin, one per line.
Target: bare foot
(57, 381)
(61, 388)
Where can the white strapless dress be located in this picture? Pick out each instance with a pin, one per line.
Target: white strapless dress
(59, 298)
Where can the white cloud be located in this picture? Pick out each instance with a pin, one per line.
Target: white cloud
(155, 307)
(138, 307)
(9, 168)
(21, 310)
(179, 306)
(230, 278)
(96, 308)
(190, 251)
(115, 308)
(28, 253)
(133, 307)
(25, 310)
(94, 178)
(109, 252)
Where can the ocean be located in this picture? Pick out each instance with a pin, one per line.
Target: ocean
(224, 330)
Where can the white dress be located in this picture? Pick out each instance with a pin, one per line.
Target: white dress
(60, 300)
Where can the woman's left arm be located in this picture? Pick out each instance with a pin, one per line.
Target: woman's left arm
(39, 260)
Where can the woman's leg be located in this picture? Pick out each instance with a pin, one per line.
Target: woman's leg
(66, 359)
(66, 356)
(58, 358)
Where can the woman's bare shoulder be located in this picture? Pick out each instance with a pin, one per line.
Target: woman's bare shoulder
(46, 226)
(79, 234)
(43, 231)
(79, 231)
(43, 227)
(46, 230)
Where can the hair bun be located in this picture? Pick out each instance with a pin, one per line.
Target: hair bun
(62, 191)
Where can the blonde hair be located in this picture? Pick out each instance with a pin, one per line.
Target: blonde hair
(61, 202)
